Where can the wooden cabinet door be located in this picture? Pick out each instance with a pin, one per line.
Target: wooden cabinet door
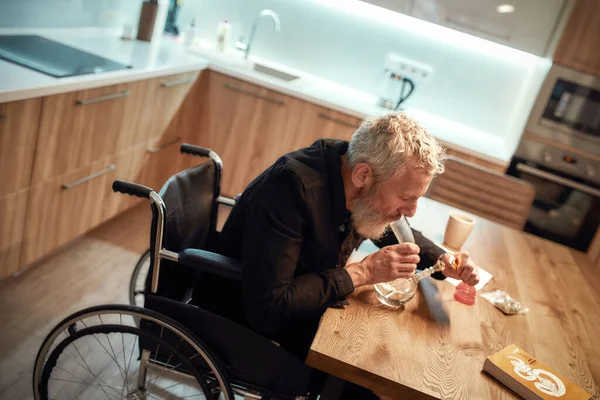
(79, 128)
(129, 165)
(164, 159)
(150, 164)
(12, 219)
(241, 122)
(170, 92)
(580, 41)
(65, 207)
(18, 133)
(316, 122)
(529, 27)
(476, 160)
(165, 95)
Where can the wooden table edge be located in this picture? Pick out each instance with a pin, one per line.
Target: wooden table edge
(361, 377)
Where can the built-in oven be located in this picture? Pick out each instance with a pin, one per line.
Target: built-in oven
(567, 109)
(566, 208)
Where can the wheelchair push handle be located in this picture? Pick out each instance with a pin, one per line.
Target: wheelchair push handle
(132, 189)
(195, 150)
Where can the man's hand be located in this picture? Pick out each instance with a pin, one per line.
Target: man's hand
(467, 271)
(388, 264)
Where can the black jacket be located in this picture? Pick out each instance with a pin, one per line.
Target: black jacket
(288, 229)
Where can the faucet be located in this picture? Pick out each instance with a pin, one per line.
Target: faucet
(245, 47)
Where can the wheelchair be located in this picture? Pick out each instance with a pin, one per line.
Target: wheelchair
(184, 337)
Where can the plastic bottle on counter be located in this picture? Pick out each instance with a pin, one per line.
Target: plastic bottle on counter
(223, 32)
(190, 34)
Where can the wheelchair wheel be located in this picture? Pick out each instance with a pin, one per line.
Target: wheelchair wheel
(137, 283)
(100, 353)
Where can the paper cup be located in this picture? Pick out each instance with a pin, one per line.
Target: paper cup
(457, 230)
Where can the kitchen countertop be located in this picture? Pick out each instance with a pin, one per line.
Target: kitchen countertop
(167, 56)
(149, 60)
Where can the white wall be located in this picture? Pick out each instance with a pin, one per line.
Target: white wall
(68, 13)
(478, 83)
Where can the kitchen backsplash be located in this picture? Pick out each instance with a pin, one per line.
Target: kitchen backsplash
(68, 13)
(475, 82)
(479, 83)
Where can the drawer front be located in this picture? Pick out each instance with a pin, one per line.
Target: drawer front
(65, 207)
(162, 99)
(79, 128)
(130, 165)
(315, 122)
(12, 220)
(164, 160)
(150, 164)
(18, 133)
(169, 94)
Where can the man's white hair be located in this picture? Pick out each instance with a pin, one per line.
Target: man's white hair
(387, 143)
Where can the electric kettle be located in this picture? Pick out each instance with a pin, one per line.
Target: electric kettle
(396, 88)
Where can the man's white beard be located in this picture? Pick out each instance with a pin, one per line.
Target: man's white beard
(367, 221)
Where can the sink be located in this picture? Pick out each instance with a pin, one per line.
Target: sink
(263, 69)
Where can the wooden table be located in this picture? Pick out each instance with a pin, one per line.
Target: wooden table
(406, 354)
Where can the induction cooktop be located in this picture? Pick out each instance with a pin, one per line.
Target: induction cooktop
(53, 58)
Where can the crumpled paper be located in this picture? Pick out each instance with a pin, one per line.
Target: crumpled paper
(504, 302)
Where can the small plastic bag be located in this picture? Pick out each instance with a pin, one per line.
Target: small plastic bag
(504, 302)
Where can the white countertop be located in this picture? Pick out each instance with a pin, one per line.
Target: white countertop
(149, 60)
(167, 56)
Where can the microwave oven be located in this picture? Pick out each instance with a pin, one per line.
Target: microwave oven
(567, 109)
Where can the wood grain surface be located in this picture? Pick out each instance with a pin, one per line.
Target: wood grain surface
(487, 193)
(12, 218)
(476, 160)
(405, 354)
(18, 133)
(594, 250)
(578, 46)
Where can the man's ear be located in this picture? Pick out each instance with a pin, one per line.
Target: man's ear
(362, 175)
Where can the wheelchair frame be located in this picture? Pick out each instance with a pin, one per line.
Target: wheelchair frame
(139, 313)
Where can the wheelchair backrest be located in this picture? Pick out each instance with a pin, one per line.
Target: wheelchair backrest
(190, 222)
(190, 201)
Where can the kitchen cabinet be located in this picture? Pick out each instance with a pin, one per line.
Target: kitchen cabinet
(244, 124)
(65, 207)
(317, 122)
(164, 159)
(476, 160)
(18, 133)
(82, 127)
(580, 41)
(130, 165)
(529, 27)
(12, 218)
(166, 95)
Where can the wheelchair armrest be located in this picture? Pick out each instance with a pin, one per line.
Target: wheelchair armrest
(213, 263)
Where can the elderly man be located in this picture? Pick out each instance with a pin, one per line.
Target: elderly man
(297, 223)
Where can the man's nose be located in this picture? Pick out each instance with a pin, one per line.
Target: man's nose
(410, 210)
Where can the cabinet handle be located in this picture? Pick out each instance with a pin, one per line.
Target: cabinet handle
(2, 118)
(259, 96)
(338, 121)
(177, 82)
(71, 185)
(124, 93)
(164, 145)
